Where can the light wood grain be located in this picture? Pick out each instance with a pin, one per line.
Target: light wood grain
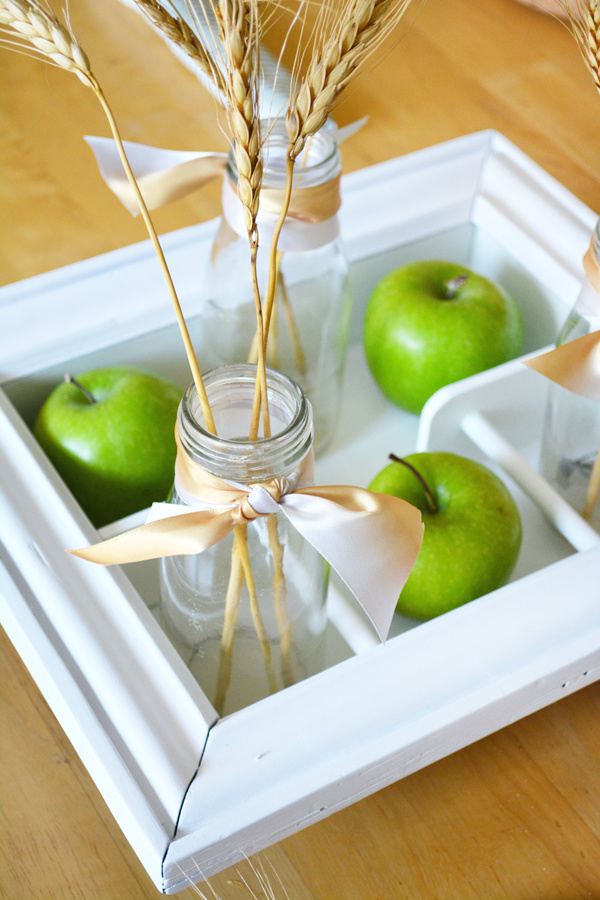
(516, 815)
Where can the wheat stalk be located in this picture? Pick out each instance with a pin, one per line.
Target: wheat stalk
(40, 31)
(346, 39)
(232, 606)
(239, 25)
(177, 30)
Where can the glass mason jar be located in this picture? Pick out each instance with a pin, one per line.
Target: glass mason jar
(311, 317)
(571, 433)
(206, 608)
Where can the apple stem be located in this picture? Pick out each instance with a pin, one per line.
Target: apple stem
(455, 285)
(70, 380)
(433, 507)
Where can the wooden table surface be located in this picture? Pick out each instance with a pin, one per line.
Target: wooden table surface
(516, 815)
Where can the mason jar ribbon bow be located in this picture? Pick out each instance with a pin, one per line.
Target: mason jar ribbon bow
(371, 540)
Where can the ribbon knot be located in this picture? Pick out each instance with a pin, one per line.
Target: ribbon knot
(262, 500)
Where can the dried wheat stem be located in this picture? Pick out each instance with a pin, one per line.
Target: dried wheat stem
(279, 598)
(346, 39)
(232, 606)
(240, 31)
(239, 25)
(191, 356)
(179, 32)
(273, 345)
(260, 394)
(273, 251)
(241, 538)
(291, 321)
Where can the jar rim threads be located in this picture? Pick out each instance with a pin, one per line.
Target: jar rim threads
(230, 390)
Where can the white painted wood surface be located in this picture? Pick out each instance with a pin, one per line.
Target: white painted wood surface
(122, 695)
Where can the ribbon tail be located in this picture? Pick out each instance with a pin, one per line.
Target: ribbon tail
(371, 540)
(162, 175)
(574, 365)
(347, 131)
(176, 535)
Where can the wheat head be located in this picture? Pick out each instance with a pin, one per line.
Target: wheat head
(585, 23)
(179, 32)
(42, 33)
(240, 33)
(347, 36)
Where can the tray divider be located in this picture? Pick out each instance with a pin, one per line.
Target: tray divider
(561, 514)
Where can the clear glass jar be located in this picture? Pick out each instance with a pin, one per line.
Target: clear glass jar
(571, 433)
(309, 333)
(222, 649)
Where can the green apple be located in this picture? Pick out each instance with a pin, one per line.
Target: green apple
(111, 436)
(430, 323)
(472, 531)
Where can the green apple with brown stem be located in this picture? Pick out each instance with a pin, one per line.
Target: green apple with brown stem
(472, 531)
(431, 323)
(110, 434)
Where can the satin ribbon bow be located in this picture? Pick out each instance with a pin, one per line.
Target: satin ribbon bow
(371, 540)
(167, 175)
(576, 364)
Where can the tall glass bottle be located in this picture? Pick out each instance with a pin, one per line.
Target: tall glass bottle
(571, 434)
(309, 332)
(242, 647)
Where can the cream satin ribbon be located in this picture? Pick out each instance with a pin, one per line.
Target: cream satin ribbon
(167, 175)
(311, 220)
(162, 175)
(371, 540)
(576, 364)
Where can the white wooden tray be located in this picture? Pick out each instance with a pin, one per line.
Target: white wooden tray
(194, 793)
